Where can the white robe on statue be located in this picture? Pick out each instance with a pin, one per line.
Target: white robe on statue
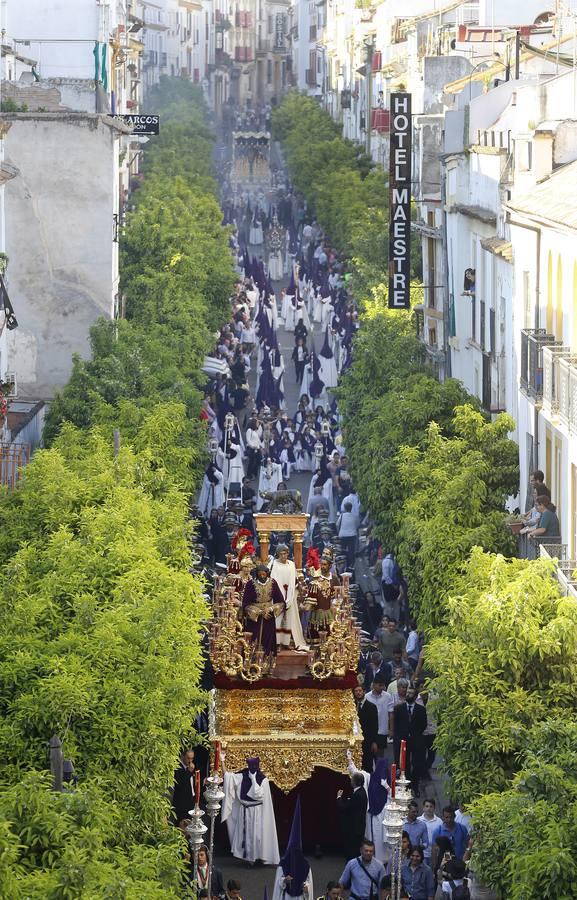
(288, 624)
(278, 891)
(251, 823)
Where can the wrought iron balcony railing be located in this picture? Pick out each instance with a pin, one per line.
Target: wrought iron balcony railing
(533, 340)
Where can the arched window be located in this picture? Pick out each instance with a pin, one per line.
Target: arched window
(543, 18)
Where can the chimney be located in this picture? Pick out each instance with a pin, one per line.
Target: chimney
(542, 155)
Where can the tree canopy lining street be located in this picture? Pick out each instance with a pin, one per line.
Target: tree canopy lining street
(101, 618)
(435, 474)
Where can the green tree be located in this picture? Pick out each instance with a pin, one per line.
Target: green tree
(102, 620)
(455, 489)
(525, 837)
(505, 659)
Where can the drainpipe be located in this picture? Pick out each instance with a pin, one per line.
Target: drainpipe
(447, 293)
(369, 86)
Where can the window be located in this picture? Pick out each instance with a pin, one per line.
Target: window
(492, 337)
(482, 325)
(473, 318)
(269, 71)
(525, 155)
(433, 338)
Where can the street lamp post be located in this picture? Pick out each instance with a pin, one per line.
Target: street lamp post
(196, 831)
(394, 815)
(214, 797)
(228, 426)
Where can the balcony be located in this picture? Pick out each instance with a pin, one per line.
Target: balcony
(566, 569)
(533, 340)
(13, 458)
(541, 547)
(222, 59)
(560, 385)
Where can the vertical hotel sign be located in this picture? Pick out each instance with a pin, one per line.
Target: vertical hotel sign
(400, 202)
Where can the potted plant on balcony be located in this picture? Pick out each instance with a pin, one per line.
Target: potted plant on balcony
(515, 522)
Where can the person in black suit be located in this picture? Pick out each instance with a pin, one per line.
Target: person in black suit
(369, 722)
(410, 720)
(353, 815)
(375, 667)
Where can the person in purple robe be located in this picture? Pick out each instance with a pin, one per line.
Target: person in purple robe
(262, 601)
(293, 876)
(267, 390)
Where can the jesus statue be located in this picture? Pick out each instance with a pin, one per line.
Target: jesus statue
(288, 624)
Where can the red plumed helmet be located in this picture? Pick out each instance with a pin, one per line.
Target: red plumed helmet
(313, 559)
(247, 550)
(241, 533)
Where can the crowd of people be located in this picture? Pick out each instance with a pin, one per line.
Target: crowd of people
(256, 445)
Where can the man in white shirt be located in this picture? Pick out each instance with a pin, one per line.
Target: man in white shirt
(385, 705)
(432, 822)
(462, 818)
(353, 498)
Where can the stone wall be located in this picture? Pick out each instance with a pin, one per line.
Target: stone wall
(63, 271)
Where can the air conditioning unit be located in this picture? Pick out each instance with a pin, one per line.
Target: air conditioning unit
(10, 385)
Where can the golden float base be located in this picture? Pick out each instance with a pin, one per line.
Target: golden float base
(291, 731)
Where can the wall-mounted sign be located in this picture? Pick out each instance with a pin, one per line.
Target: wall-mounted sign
(141, 124)
(400, 202)
(279, 32)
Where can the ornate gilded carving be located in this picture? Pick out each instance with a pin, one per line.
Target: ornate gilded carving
(290, 731)
(233, 650)
(338, 648)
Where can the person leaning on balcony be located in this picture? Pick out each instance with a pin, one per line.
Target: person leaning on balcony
(548, 524)
(538, 483)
